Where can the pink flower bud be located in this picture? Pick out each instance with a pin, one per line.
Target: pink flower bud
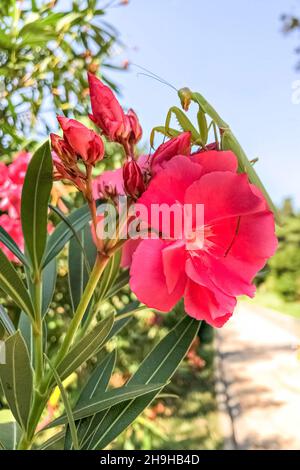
(180, 145)
(85, 143)
(63, 150)
(107, 112)
(133, 179)
(135, 127)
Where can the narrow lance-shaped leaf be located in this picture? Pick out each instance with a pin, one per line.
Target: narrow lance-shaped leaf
(63, 233)
(67, 405)
(97, 384)
(49, 280)
(81, 260)
(17, 378)
(85, 348)
(10, 431)
(6, 239)
(6, 321)
(12, 284)
(34, 206)
(106, 400)
(159, 366)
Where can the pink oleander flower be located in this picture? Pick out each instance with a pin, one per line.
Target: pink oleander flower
(108, 114)
(11, 182)
(84, 142)
(217, 261)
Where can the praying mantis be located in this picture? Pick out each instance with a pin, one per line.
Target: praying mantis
(223, 135)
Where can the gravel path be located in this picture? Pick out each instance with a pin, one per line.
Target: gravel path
(259, 379)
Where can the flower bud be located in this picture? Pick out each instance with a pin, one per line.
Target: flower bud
(133, 179)
(180, 145)
(85, 143)
(136, 131)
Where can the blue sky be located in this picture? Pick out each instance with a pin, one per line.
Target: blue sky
(234, 53)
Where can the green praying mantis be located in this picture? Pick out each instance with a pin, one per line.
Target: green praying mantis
(223, 135)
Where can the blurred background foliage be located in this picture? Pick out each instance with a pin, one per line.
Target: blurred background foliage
(45, 53)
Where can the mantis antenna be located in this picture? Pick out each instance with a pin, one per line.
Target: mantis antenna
(149, 74)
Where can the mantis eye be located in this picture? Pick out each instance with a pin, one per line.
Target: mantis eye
(185, 96)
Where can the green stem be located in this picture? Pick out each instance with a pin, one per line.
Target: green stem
(96, 273)
(38, 332)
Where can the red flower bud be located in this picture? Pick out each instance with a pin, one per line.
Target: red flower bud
(109, 115)
(135, 127)
(63, 150)
(180, 145)
(133, 179)
(107, 112)
(85, 143)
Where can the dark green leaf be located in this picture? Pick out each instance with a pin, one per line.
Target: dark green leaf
(85, 348)
(6, 321)
(6, 239)
(34, 208)
(159, 366)
(67, 405)
(10, 431)
(63, 233)
(97, 384)
(106, 400)
(49, 280)
(16, 377)
(81, 259)
(12, 284)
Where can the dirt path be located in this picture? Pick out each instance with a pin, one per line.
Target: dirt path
(259, 386)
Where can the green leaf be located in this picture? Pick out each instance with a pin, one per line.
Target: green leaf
(110, 275)
(121, 282)
(159, 366)
(26, 331)
(106, 400)
(6, 321)
(16, 377)
(67, 405)
(53, 441)
(49, 281)
(34, 207)
(81, 259)
(12, 284)
(6, 239)
(63, 233)
(10, 431)
(85, 348)
(97, 383)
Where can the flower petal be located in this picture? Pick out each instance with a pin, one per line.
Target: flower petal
(224, 194)
(201, 303)
(147, 277)
(215, 160)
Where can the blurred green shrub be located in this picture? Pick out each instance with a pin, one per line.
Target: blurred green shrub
(284, 268)
(46, 49)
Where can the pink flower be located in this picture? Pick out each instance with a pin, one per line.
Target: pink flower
(17, 169)
(108, 114)
(213, 263)
(84, 142)
(14, 229)
(11, 182)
